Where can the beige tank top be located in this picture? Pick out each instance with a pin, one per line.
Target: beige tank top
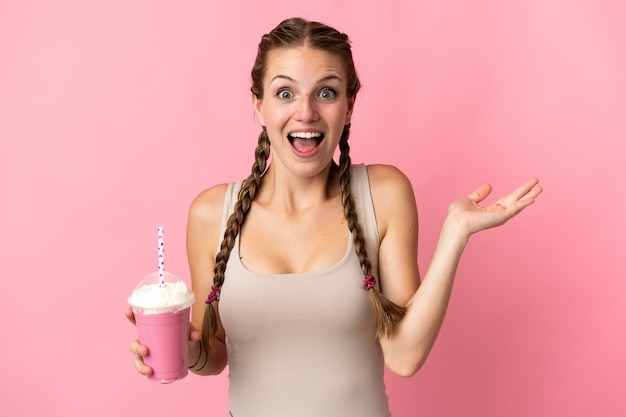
(304, 345)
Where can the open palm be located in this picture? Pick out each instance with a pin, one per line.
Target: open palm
(473, 217)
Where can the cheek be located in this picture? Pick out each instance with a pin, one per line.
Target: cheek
(276, 116)
(341, 116)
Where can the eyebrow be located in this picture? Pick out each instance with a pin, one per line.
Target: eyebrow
(320, 81)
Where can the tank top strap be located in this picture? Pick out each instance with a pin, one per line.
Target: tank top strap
(364, 206)
(361, 193)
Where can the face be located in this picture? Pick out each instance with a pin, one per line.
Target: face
(304, 108)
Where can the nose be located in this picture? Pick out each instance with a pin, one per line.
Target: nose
(307, 110)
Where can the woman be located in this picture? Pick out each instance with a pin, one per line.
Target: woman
(315, 285)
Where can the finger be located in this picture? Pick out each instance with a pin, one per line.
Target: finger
(194, 335)
(525, 188)
(138, 349)
(480, 193)
(526, 200)
(141, 367)
(528, 190)
(130, 315)
(534, 192)
(529, 198)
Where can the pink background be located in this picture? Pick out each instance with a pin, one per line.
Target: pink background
(115, 114)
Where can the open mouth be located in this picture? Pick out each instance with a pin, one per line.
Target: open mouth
(305, 141)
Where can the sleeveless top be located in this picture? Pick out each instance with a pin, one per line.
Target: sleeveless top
(304, 344)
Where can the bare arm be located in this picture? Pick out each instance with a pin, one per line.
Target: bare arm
(203, 229)
(408, 348)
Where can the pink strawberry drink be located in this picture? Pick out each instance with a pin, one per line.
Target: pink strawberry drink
(161, 306)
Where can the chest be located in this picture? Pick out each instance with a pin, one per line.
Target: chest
(299, 307)
(284, 244)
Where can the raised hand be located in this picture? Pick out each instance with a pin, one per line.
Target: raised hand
(472, 217)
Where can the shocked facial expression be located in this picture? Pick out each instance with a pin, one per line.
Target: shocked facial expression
(304, 107)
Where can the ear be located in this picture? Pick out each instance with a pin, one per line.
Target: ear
(350, 109)
(256, 103)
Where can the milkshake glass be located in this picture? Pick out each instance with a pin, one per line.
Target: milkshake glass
(161, 305)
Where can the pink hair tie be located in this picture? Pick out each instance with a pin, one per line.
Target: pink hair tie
(369, 282)
(214, 295)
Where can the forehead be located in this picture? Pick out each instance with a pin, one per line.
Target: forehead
(303, 63)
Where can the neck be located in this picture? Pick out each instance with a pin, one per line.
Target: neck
(294, 193)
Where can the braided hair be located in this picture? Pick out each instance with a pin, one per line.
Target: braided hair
(292, 33)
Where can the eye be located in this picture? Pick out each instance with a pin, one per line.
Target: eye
(284, 94)
(327, 93)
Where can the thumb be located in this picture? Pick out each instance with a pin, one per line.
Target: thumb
(480, 193)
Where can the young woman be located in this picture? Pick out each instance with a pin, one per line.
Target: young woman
(306, 272)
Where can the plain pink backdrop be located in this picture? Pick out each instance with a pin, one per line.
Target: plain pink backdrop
(115, 114)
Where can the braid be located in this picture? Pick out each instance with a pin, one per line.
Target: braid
(387, 313)
(233, 227)
(348, 204)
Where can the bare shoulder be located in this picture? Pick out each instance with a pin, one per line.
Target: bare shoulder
(206, 208)
(387, 176)
(389, 185)
(203, 226)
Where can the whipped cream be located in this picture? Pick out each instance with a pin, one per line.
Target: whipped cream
(155, 298)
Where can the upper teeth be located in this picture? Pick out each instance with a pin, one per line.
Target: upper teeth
(306, 135)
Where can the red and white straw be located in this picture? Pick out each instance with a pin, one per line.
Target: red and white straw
(161, 257)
